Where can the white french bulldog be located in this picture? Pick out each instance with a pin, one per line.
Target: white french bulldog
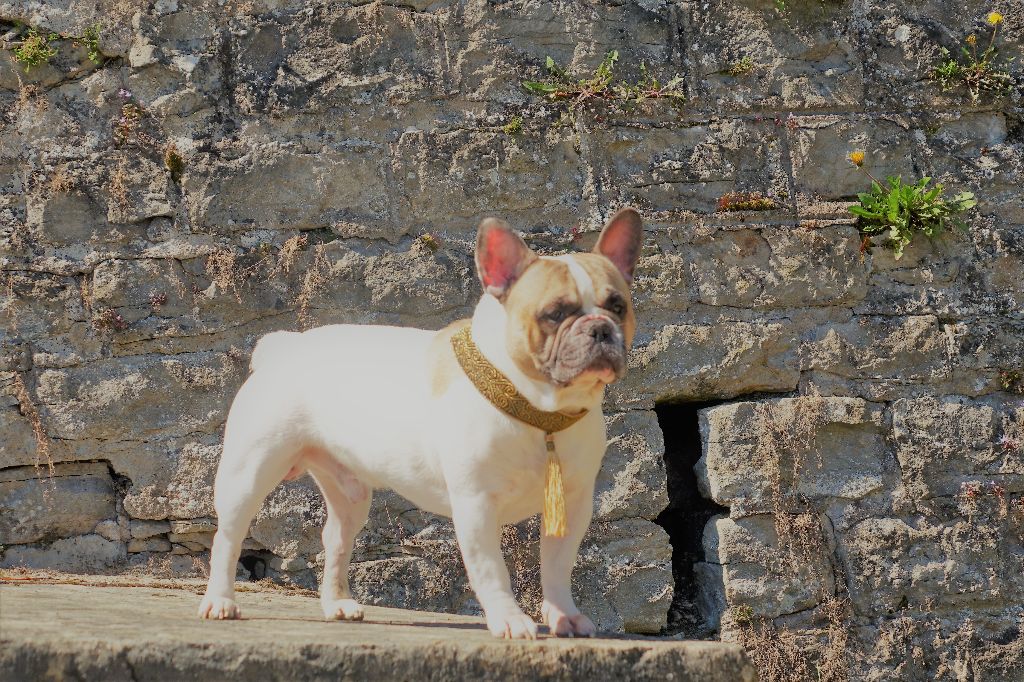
(364, 407)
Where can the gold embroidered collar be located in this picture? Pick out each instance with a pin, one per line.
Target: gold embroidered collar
(498, 389)
(502, 393)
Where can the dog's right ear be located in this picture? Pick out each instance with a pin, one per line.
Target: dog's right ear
(501, 256)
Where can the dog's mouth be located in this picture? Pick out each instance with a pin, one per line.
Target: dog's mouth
(595, 349)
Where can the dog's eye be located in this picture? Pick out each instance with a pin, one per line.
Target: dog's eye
(557, 314)
(615, 305)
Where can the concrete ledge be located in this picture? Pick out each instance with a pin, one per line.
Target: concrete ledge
(76, 632)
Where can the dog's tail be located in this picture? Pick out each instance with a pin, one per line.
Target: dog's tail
(273, 348)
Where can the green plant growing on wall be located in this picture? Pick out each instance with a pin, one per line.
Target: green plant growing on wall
(744, 67)
(906, 210)
(577, 93)
(36, 49)
(91, 39)
(976, 71)
(514, 126)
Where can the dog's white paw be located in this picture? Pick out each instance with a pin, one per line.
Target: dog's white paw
(342, 609)
(219, 608)
(562, 624)
(512, 624)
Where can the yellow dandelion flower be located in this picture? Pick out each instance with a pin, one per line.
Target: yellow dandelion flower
(994, 18)
(972, 39)
(857, 158)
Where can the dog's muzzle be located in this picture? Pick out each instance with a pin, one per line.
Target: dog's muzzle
(594, 343)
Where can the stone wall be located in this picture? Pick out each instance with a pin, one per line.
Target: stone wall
(234, 168)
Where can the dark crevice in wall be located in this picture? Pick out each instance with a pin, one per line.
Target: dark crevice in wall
(256, 562)
(687, 513)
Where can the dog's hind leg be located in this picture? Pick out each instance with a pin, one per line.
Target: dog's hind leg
(348, 505)
(248, 471)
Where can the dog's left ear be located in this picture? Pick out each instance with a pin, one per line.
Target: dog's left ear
(621, 240)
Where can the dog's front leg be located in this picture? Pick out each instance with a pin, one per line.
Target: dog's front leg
(477, 530)
(557, 556)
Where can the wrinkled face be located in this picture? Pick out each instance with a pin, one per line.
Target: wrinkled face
(571, 319)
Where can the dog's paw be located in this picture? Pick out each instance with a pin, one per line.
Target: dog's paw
(219, 608)
(342, 609)
(562, 624)
(512, 624)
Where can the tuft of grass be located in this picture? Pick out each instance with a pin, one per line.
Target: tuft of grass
(31, 413)
(977, 72)
(221, 267)
(429, 241)
(173, 161)
(579, 93)
(316, 278)
(35, 49)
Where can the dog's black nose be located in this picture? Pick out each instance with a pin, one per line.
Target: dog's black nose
(601, 333)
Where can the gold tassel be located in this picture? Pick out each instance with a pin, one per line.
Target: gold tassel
(554, 493)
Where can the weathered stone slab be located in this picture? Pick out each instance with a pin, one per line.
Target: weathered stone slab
(72, 631)
(894, 564)
(84, 553)
(37, 504)
(703, 361)
(182, 394)
(943, 443)
(777, 267)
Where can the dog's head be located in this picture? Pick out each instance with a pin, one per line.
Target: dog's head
(570, 317)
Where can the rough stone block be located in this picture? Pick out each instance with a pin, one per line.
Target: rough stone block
(142, 530)
(804, 56)
(961, 563)
(199, 540)
(149, 545)
(691, 167)
(703, 361)
(532, 180)
(203, 525)
(36, 505)
(755, 454)
(278, 188)
(182, 394)
(878, 355)
(631, 483)
(777, 268)
(942, 443)
(773, 578)
(628, 563)
(821, 144)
